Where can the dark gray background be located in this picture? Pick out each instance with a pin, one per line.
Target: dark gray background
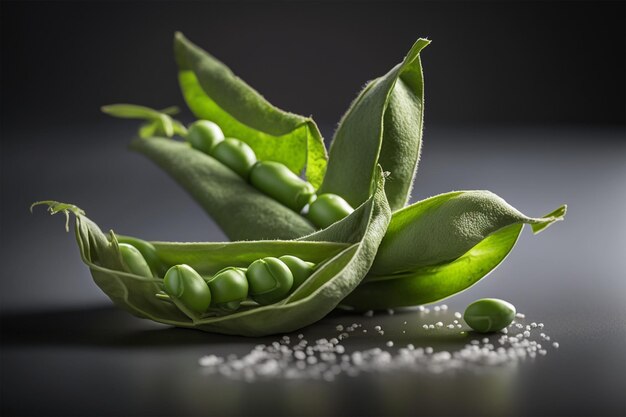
(524, 99)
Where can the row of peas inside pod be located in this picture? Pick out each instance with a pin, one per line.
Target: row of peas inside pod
(269, 177)
(265, 281)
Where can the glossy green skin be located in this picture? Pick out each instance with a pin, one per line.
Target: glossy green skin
(270, 280)
(134, 260)
(328, 209)
(236, 155)
(489, 315)
(277, 181)
(229, 287)
(301, 270)
(187, 286)
(148, 252)
(204, 135)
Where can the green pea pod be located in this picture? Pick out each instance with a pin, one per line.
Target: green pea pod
(382, 126)
(440, 246)
(214, 93)
(242, 212)
(343, 259)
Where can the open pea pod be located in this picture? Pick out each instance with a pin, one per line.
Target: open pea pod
(382, 126)
(241, 211)
(343, 256)
(214, 93)
(440, 246)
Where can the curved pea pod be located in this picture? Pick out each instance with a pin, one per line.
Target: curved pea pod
(214, 93)
(241, 211)
(382, 126)
(343, 255)
(440, 246)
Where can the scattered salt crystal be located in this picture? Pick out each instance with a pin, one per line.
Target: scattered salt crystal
(556, 345)
(457, 315)
(439, 324)
(389, 344)
(339, 328)
(425, 326)
(520, 316)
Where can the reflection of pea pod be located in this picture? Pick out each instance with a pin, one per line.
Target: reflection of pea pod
(343, 254)
(382, 126)
(214, 93)
(441, 246)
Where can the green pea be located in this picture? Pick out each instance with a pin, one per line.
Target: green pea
(204, 135)
(187, 286)
(277, 181)
(134, 261)
(270, 280)
(229, 287)
(148, 252)
(328, 209)
(300, 269)
(489, 315)
(236, 155)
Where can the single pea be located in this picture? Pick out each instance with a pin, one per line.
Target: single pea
(134, 261)
(229, 287)
(204, 135)
(270, 280)
(187, 286)
(300, 269)
(489, 315)
(236, 155)
(148, 252)
(277, 181)
(328, 209)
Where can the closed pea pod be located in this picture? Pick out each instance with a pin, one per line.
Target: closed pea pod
(277, 181)
(185, 286)
(229, 287)
(328, 209)
(270, 280)
(300, 269)
(204, 135)
(489, 315)
(134, 260)
(236, 155)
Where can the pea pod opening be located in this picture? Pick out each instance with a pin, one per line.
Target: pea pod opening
(344, 257)
(214, 93)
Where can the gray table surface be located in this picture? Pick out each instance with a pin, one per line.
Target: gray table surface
(67, 351)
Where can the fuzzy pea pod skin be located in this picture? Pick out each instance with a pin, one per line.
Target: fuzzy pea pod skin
(382, 126)
(441, 246)
(214, 93)
(242, 212)
(343, 258)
